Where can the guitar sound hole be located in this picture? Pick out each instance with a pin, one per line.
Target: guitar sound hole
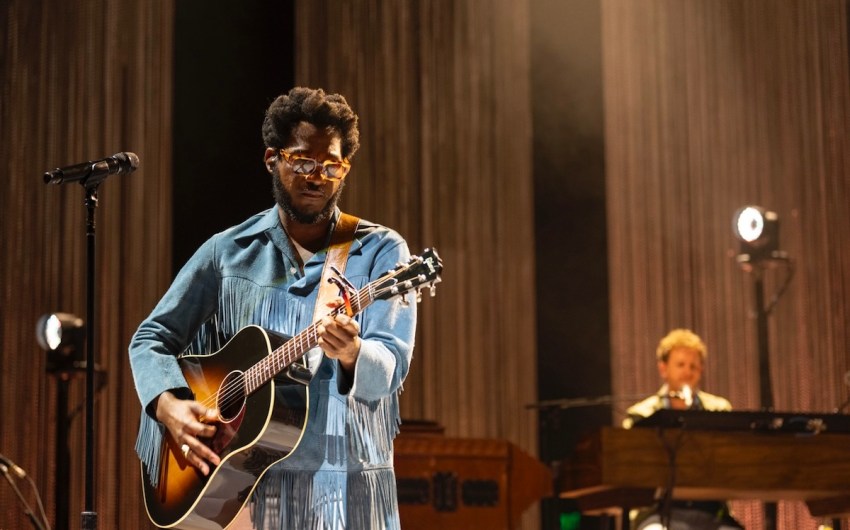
(231, 396)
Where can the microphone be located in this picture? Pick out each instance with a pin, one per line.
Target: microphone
(117, 164)
(685, 394)
(15, 468)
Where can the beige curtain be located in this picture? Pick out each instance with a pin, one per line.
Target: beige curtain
(442, 91)
(711, 105)
(81, 80)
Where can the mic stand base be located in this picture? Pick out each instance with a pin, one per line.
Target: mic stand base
(88, 520)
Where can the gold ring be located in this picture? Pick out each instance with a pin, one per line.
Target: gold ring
(185, 450)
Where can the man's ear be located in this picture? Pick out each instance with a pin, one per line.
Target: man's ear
(270, 158)
(662, 370)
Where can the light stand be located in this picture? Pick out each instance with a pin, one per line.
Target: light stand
(765, 383)
(63, 455)
(758, 231)
(62, 336)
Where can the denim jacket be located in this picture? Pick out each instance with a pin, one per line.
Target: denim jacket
(250, 274)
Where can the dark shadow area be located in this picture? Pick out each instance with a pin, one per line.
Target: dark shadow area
(570, 227)
(229, 65)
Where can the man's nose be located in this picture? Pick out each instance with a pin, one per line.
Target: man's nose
(315, 176)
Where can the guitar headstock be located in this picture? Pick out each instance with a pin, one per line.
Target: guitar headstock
(419, 272)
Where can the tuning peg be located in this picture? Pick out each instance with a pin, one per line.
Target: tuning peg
(418, 295)
(433, 286)
(404, 300)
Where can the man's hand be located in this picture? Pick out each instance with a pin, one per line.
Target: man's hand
(185, 421)
(339, 338)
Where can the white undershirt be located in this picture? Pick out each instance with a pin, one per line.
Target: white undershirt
(303, 253)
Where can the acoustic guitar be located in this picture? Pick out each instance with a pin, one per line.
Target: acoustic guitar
(260, 389)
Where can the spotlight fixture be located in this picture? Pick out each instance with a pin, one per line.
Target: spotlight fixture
(62, 336)
(758, 231)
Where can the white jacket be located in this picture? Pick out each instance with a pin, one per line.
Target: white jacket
(659, 400)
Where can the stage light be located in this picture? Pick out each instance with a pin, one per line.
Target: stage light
(62, 336)
(758, 231)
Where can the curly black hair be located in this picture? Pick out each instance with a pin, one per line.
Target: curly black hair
(313, 106)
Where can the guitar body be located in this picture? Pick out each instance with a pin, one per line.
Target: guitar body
(259, 428)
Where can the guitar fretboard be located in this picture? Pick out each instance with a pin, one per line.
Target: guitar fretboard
(405, 278)
(295, 348)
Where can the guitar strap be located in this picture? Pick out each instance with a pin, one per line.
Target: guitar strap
(337, 256)
(341, 239)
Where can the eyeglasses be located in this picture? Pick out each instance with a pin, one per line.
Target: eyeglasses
(330, 169)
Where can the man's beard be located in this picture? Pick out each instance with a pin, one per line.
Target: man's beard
(284, 200)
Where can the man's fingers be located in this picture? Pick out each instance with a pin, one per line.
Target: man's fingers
(204, 413)
(340, 326)
(336, 302)
(201, 426)
(350, 325)
(205, 430)
(198, 462)
(330, 342)
(199, 454)
(205, 453)
(202, 418)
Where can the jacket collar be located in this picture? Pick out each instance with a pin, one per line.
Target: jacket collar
(269, 223)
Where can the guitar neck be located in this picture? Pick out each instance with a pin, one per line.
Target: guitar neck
(296, 347)
(403, 279)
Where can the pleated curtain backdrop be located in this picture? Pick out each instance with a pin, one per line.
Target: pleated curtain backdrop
(709, 106)
(81, 80)
(442, 91)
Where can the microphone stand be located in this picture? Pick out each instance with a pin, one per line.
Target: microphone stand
(27, 509)
(90, 175)
(89, 516)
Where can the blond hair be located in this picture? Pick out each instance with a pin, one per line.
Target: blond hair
(680, 338)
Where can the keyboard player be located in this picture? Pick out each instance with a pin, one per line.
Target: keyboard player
(680, 356)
